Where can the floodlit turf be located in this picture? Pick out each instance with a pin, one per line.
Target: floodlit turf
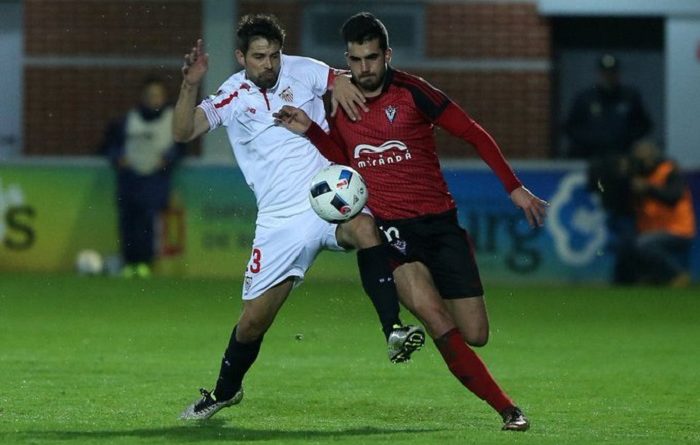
(99, 360)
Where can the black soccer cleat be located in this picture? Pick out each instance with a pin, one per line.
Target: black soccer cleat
(514, 420)
(207, 406)
(404, 341)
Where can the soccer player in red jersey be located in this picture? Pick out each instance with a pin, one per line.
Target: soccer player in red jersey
(393, 147)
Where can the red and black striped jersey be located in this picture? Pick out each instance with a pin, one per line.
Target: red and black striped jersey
(393, 147)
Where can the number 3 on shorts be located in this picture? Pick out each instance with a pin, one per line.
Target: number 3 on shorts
(255, 258)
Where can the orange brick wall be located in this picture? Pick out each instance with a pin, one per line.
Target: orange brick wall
(66, 109)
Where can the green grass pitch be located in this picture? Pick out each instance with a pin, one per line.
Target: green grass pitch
(100, 360)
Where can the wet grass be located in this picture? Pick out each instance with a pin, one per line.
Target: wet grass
(100, 360)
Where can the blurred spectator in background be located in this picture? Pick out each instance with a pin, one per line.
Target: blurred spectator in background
(607, 118)
(664, 218)
(605, 121)
(140, 147)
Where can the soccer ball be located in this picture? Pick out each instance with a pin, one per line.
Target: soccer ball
(89, 262)
(337, 193)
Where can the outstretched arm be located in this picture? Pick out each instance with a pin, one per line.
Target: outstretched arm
(190, 122)
(457, 122)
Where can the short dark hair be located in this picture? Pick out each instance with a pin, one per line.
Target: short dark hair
(258, 25)
(363, 27)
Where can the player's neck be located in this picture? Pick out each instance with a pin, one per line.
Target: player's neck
(373, 93)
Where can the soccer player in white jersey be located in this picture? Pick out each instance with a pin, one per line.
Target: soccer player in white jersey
(278, 167)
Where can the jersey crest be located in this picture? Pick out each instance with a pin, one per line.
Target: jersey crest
(390, 112)
(287, 95)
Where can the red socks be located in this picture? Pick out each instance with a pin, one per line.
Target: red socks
(471, 371)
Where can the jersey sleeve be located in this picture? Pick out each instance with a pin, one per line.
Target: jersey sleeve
(430, 101)
(219, 108)
(330, 145)
(458, 123)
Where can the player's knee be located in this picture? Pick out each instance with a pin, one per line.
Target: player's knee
(434, 315)
(478, 338)
(364, 232)
(250, 329)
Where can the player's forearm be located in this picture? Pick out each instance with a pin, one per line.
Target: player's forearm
(183, 116)
(491, 154)
(325, 144)
(458, 123)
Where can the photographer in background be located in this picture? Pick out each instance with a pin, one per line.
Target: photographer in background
(664, 217)
(141, 149)
(603, 124)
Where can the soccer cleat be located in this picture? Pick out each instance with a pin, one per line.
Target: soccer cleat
(404, 341)
(514, 420)
(206, 407)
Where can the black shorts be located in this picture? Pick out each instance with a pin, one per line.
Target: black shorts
(442, 245)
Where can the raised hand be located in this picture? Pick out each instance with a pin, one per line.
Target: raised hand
(196, 64)
(535, 208)
(293, 119)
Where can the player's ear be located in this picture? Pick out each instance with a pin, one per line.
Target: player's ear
(347, 60)
(240, 57)
(387, 56)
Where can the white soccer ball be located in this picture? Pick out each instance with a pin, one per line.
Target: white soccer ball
(337, 193)
(89, 262)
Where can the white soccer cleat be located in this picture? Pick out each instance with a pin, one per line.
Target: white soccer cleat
(515, 420)
(404, 341)
(206, 406)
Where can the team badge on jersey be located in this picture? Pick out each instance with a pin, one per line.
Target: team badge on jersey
(390, 112)
(287, 95)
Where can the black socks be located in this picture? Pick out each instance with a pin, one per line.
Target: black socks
(238, 358)
(378, 282)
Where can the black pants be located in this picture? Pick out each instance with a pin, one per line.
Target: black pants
(140, 200)
(656, 257)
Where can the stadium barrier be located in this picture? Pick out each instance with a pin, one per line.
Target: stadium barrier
(51, 210)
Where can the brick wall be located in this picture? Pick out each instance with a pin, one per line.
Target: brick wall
(512, 106)
(68, 103)
(110, 27)
(512, 103)
(67, 109)
(486, 30)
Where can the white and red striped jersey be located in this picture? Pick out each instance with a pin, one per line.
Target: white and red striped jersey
(277, 164)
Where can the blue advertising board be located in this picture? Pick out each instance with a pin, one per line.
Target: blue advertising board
(44, 209)
(573, 246)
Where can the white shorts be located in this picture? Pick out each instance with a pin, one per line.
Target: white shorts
(286, 247)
